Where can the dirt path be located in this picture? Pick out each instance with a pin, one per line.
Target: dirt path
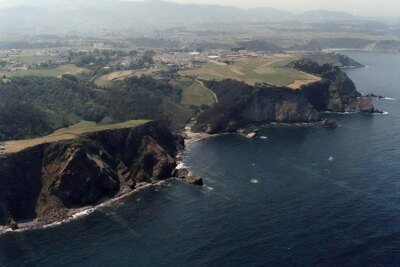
(202, 85)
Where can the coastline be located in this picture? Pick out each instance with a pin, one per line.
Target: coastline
(190, 138)
(79, 213)
(74, 214)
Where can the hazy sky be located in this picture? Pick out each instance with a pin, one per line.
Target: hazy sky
(360, 7)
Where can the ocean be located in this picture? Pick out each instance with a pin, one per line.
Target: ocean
(306, 196)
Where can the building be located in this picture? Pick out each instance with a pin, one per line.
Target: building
(98, 45)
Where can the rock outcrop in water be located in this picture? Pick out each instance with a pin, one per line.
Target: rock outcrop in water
(46, 181)
(240, 104)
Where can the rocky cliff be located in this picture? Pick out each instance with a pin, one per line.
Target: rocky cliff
(241, 104)
(47, 181)
(333, 59)
(336, 92)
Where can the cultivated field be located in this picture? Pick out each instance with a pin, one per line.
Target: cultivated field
(270, 70)
(56, 72)
(69, 133)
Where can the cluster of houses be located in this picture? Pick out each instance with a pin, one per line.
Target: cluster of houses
(188, 60)
(182, 60)
(11, 64)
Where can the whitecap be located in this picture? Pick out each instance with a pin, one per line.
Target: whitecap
(388, 98)
(263, 137)
(331, 158)
(384, 113)
(254, 181)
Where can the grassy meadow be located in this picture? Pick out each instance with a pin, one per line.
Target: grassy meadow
(107, 79)
(56, 72)
(195, 94)
(69, 133)
(270, 70)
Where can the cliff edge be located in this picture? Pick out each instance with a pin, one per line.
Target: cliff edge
(47, 181)
(240, 104)
(335, 91)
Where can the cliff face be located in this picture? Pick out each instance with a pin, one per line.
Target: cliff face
(46, 181)
(240, 105)
(336, 93)
(278, 105)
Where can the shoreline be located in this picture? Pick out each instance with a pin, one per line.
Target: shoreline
(76, 214)
(190, 138)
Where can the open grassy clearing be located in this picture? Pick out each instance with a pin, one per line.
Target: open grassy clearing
(196, 95)
(271, 70)
(56, 72)
(107, 79)
(69, 133)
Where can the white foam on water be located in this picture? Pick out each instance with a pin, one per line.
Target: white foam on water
(384, 113)
(254, 181)
(82, 213)
(389, 98)
(263, 137)
(331, 158)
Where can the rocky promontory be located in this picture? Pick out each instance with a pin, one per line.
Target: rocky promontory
(241, 104)
(336, 92)
(47, 181)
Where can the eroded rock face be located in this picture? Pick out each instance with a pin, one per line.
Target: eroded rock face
(278, 105)
(75, 174)
(20, 185)
(241, 105)
(337, 93)
(154, 162)
(47, 180)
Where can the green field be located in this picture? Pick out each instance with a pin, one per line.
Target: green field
(90, 126)
(69, 133)
(56, 72)
(271, 70)
(107, 79)
(195, 94)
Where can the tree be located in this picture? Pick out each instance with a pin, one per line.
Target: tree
(133, 53)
